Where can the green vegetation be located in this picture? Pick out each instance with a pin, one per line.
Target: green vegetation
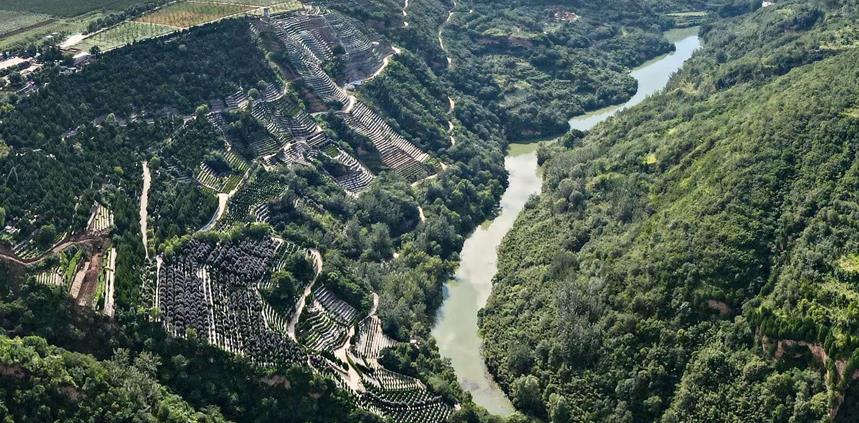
(692, 259)
(40, 382)
(676, 251)
(141, 103)
(537, 65)
(27, 25)
(196, 374)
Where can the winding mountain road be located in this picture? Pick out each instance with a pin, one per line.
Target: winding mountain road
(299, 306)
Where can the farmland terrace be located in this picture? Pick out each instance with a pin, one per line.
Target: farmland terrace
(245, 195)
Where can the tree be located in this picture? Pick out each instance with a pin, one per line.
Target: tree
(46, 235)
(559, 409)
(520, 359)
(380, 246)
(95, 51)
(16, 79)
(526, 395)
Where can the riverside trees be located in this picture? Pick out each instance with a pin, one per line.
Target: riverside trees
(694, 269)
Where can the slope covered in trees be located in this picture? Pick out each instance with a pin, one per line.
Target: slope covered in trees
(693, 259)
(40, 382)
(207, 108)
(540, 63)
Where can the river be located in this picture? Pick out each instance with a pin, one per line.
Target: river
(456, 329)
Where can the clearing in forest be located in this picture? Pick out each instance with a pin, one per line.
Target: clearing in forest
(188, 14)
(684, 19)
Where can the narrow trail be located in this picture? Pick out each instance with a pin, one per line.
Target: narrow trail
(299, 306)
(222, 207)
(158, 262)
(452, 103)
(385, 62)
(109, 285)
(375, 308)
(423, 220)
(223, 200)
(441, 28)
(405, 14)
(144, 205)
(353, 378)
(451, 108)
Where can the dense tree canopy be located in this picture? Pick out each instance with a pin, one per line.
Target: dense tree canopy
(687, 258)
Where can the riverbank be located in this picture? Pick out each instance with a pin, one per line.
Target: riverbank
(456, 330)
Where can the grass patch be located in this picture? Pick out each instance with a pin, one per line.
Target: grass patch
(650, 159)
(188, 14)
(849, 263)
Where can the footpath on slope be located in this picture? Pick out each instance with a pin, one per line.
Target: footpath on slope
(299, 306)
(452, 103)
(144, 205)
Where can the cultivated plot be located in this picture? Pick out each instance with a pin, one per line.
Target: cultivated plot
(188, 14)
(275, 6)
(36, 33)
(66, 8)
(123, 34)
(13, 21)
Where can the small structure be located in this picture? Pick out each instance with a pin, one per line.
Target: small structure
(11, 62)
(82, 58)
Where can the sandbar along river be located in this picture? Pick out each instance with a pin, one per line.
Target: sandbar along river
(456, 324)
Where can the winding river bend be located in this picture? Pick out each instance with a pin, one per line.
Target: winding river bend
(456, 324)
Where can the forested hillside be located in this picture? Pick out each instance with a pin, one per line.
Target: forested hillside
(694, 258)
(538, 64)
(39, 382)
(254, 219)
